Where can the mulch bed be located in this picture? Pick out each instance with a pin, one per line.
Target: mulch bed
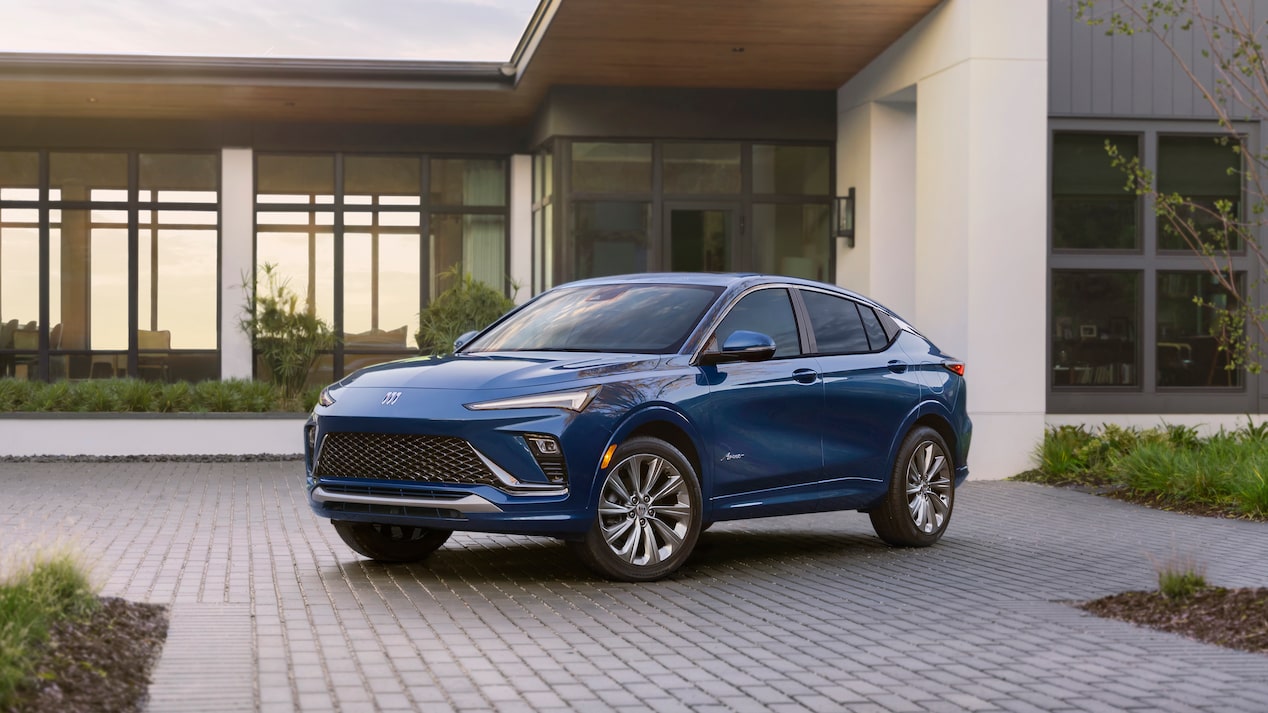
(100, 664)
(1234, 618)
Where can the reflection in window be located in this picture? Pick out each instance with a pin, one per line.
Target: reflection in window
(611, 238)
(791, 170)
(1094, 327)
(101, 177)
(467, 182)
(1203, 172)
(1091, 210)
(611, 167)
(19, 266)
(1189, 333)
(837, 325)
(470, 243)
(701, 168)
(766, 312)
(792, 239)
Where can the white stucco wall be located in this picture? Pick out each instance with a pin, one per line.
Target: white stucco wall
(943, 138)
(237, 257)
(521, 257)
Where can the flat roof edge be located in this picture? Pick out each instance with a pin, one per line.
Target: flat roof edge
(103, 66)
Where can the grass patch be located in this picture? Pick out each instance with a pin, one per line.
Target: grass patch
(138, 396)
(1171, 467)
(31, 603)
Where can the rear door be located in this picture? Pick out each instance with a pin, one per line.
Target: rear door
(869, 390)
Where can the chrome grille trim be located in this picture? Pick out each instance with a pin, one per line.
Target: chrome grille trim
(470, 503)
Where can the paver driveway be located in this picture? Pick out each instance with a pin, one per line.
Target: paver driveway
(272, 612)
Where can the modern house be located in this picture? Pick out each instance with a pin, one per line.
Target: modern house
(139, 193)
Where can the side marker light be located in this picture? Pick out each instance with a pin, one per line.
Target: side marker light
(607, 457)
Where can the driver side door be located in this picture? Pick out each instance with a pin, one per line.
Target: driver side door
(765, 416)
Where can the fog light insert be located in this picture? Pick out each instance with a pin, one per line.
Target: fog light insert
(543, 445)
(549, 456)
(312, 438)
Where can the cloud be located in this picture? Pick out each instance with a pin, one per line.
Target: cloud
(471, 30)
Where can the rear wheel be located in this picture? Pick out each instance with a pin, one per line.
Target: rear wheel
(390, 543)
(649, 514)
(917, 508)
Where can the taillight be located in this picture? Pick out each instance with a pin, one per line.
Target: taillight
(957, 367)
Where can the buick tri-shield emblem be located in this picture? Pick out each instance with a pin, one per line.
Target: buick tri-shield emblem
(391, 397)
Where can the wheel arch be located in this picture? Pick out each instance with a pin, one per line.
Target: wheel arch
(935, 416)
(670, 426)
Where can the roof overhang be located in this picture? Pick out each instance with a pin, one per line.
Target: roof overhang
(758, 44)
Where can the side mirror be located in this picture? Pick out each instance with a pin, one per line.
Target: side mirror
(463, 339)
(742, 345)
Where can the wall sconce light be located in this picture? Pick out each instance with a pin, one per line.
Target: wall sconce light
(845, 217)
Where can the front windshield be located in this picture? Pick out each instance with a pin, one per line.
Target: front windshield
(636, 318)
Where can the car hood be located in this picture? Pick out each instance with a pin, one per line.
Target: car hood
(497, 371)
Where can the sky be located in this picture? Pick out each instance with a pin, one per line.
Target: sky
(450, 30)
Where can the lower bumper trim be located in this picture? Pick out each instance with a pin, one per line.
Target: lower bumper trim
(469, 503)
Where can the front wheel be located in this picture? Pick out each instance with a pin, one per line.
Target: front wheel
(921, 493)
(649, 514)
(390, 543)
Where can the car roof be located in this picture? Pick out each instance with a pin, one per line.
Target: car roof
(740, 280)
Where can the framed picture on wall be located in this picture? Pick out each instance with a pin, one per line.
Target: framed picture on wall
(1087, 331)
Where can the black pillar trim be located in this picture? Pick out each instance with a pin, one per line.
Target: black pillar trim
(42, 366)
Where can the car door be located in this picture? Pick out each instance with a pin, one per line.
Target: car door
(869, 391)
(764, 416)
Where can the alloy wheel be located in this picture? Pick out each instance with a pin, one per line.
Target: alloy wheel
(645, 510)
(928, 487)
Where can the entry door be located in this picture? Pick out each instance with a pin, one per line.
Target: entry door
(701, 237)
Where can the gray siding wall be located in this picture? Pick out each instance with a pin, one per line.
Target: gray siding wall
(1094, 75)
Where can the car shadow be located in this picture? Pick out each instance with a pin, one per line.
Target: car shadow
(527, 561)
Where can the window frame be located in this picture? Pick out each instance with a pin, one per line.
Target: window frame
(1149, 261)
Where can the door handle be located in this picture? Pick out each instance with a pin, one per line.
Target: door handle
(897, 367)
(805, 376)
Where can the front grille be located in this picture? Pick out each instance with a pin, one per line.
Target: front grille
(388, 456)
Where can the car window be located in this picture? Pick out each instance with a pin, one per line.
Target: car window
(836, 323)
(875, 332)
(628, 318)
(768, 312)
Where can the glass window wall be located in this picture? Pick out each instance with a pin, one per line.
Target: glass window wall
(390, 232)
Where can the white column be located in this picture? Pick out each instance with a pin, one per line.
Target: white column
(521, 257)
(237, 260)
(952, 202)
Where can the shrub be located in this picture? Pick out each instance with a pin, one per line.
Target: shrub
(465, 306)
(286, 337)
(132, 395)
(1171, 465)
(1179, 576)
(30, 603)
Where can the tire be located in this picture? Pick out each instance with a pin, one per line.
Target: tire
(917, 507)
(390, 543)
(648, 516)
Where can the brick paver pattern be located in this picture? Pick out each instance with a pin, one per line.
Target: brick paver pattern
(271, 612)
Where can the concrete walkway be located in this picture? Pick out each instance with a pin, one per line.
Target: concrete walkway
(271, 612)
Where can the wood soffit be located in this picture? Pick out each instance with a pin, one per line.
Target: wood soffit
(730, 44)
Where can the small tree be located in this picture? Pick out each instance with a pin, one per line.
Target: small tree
(287, 337)
(467, 305)
(1216, 230)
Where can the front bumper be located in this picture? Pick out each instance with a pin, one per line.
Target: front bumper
(499, 485)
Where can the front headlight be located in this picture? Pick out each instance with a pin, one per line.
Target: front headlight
(570, 400)
(325, 399)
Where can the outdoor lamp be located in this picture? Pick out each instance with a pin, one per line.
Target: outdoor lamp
(845, 217)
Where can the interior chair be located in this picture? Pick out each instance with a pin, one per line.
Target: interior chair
(153, 364)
